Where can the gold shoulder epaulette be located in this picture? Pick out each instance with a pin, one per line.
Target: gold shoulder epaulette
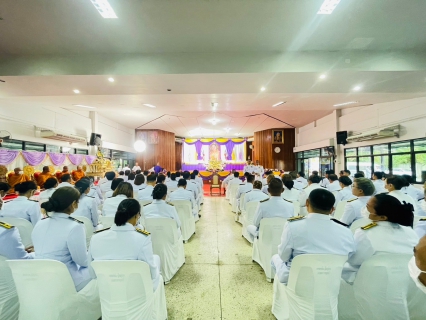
(95, 232)
(146, 204)
(352, 200)
(76, 220)
(143, 231)
(170, 204)
(288, 200)
(297, 218)
(423, 219)
(33, 200)
(6, 225)
(306, 187)
(264, 200)
(369, 226)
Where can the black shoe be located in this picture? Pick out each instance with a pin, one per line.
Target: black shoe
(199, 216)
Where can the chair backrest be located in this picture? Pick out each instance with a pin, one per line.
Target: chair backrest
(215, 179)
(9, 302)
(183, 208)
(163, 230)
(25, 229)
(359, 223)
(271, 229)
(88, 225)
(251, 211)
(106, 221)
(144, 202)
(125, 289)
(233, 190)
(296, 205)
(242, 199)
(43, 286)
(340, 209)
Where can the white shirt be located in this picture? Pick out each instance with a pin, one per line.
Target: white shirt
(64, 184)
(87, 207)
(290, 195)
(344, 194)
(183, 194)
(22, 208)
(334, 186)
(135, 168)
(62, 238)
(161, 209)
(228, 179)
(274, 207)
(234, 181)
(110, 206)
(386, 237)
(172, 184)
(146, 193)
(300, 183)
(379, 185)
(353, 210)
(304, 193)
(124, 243)
(108, 194)
(106, 186)
(401, 196)
(413, 192)
(192, 186)
(46, 194)
(11, 244)
(126, 168)
(244, 188)
(253, 195)
(325, 183)
(139, 187)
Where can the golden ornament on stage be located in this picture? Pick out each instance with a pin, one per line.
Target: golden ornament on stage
(29, 171)
(215, 165)
(3, 170)
(84, 168)
(99, 166)
(52, 169)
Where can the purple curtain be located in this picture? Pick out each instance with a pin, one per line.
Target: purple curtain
(229, 148)
(8, 156)
(209, 143)
(198, 145)
(90, 159)
(57, 158)
(75, 159)
(34, 158)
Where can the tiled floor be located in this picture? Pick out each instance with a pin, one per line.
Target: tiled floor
(219, 279)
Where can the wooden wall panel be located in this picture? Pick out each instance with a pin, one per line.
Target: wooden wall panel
(163, 152)
(264, 150)
(178, 155)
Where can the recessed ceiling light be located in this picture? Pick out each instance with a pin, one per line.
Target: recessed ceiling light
(215, 104)
(278, 104)
(328, 6)
(344, 103)
(111, 79)
(104, 9)
(214, 121)
(357, 88)
(83, 106)
(262, 89)
(76, 91)
(149, 105)
(323, 76)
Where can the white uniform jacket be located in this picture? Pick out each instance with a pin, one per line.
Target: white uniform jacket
(244, 188)
(23, 208)
(300, 183)
(161, 209)
(290, 195)
(11, 245)
(110, 206)
(64, 184)
(401, 196)
(46, 194)
(183, 194)
(253, 195)
(334, 186)
(305, 192)
(379, 185)
(87, 207)
(106, 186)
(354, 210)
(274, 207)
(146, 193)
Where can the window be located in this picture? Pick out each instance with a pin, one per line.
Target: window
(420, 166)
(365, 165)
(55, 149)
(31, 146)
(81, 151)
(12, 144)
(381, 163)
(314, 160)
(350, 152)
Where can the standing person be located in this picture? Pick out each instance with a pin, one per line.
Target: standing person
(50, 186)
(17, 177)
(157, 168)
(87, 206)
(146, 193)
(63, 238)
(124, 191)
(42, 177)
(136, 167)
(378, 182)
(78, 174)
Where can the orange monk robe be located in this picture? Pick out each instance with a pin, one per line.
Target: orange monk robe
(42, 177)
(14, 179)
(77, 175)
(60, 174)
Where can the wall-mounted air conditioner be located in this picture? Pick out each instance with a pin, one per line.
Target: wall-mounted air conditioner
(50, 134)
(375, 134)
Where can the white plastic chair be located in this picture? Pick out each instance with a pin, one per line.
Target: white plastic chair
(46, 292)
(340, 209)
(233, 188)
(106, 222)
(359, 223)
(184, 210)
(265, 245)
(129, 294)
(89, 228)
(25, 229)
(312, 289)
(144, 202)
(247, 218)
(296, 205)
(9, 302)
(167, 244)
(415, 222)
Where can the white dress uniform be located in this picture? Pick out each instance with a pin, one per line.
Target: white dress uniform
(325, 183)
(96, 194)
(401, 196)
(334, 186)
(172, 184)
(105, 187)
(46, 194)
(314, 234)
(413, 192)
(108, 194)
(110, 206)
(300, 183)
(274, 207)
(138, 188)
(305, 192)
(253, 195)
(244, 188)
(248, 168)
(182, 194)
(63, 238)
(290, 195)
(136, 168)
(344, 194)
(420, 228)
(22, 207)
(227, 179)
(125, 243)
(379, 185)
(382, 237)
(87, 208)
(146, 193)
(192, 186)
(162, 209)
(126, 168)
(354, 210)
(265, 189)
(11, 244)
(64, 184)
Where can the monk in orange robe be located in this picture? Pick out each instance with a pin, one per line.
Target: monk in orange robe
(78, 174)
(42, 177)
(16, 178)
(64, 171)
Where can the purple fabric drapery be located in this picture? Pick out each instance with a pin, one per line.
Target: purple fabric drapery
(229, 148)
(34, 158)
(90, 159)
(8, 156)
(202, 167)
(57, 158)
(214, 140)
(198, 146)
(75, 159)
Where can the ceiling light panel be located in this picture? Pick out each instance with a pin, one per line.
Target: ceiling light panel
(104, 8)
(83, 106)
(357, 88)
(278, 104)
(345, 103)
(149, 105)
(328, 6)
(76, 91)
(262, 89)
(111, 79)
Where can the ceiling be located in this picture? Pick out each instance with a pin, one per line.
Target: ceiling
(55, 31)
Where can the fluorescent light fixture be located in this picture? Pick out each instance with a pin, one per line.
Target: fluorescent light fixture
(104, 9)
(149, 105)
(262, 89)
(328, 6)
(83, 106)
(323, 76)
(227, 129)
(345, 103)
(238, 133)
(278, 104)
(357, 88)
(76, 91)
(111, 79)
(215, 104)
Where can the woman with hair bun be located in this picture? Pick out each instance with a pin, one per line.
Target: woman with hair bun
(159, 208)
(50, 186)
(391, 231)
(123, 191)
(123, 241)
(63, 238)
(22, 206)
(290, 192)
(87, 205)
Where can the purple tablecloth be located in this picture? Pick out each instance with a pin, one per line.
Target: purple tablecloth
(202, 167)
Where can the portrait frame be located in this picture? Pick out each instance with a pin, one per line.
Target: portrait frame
(277, 136)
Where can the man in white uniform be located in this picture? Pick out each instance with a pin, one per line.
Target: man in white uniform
(226, 181)
(182, 194)
(249, 167)
(379, 183)
(136, 167)
(313, 183)
(146, 193)
(193, 187)
(334, 184)
(345, 193)
(254, 195)
(244, 188)
(300, 181)
(106, 186)
(412, 191)
(325, 182)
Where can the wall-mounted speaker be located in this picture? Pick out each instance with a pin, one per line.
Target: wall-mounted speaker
(95, 140)
(341, 137)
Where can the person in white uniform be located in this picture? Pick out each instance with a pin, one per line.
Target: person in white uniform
(378, 182)
(274, 207)
(61, 237)
(197, 184)
(248, 167)
(362, 189)
(49, 187)
(124, 191)
(200, 182)
(127, 168)
(172, 184)
(390, 232)
(265, 187)
(11, 244)
(182, 194)
(244, 188)
(254, 195)
(227, 179)
(412, 191)
(334, 184)
(235, 179)
(313, 183)
(87, 205)
(345, 193)
(192, 187)
(65, 181)
(106, 186)
(159, 208)
(114, 186)
(417, 265)
(316, 233)
(146, 193)
(394, 185)
(300, 182)
(138, 184)
(22, 207)
(136, 167)
(123, 241)
(290, 193)
(326, 180)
